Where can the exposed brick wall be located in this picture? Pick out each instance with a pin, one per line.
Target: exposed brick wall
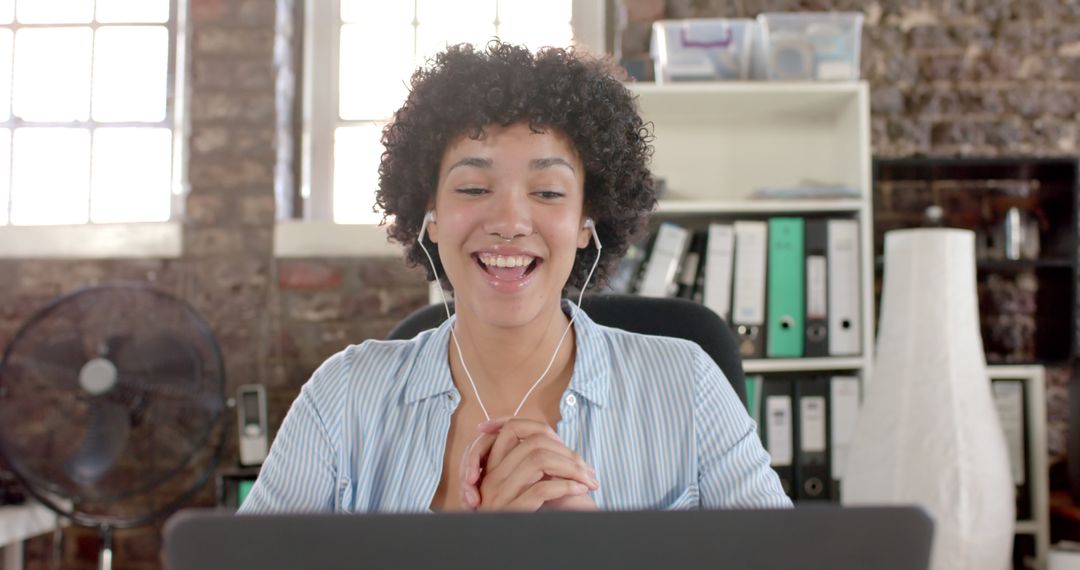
(276, 320)
(980, 77)
(949, 77)
(986, 77)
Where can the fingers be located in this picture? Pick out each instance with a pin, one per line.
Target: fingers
(493, 425)
(571, 503)
(469, 473)
(538, 494)
(474, 456)
(481, 454)
(513, 431)
(479, 449)
(537, 457)
(535, 460)
(511, 455)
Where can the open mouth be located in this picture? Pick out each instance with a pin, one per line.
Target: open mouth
(507, 267)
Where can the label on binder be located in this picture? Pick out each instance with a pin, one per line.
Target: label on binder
(812, 424)
(815, 287)
(778, 415)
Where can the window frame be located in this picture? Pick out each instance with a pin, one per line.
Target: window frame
(322, 27)
(92, 240)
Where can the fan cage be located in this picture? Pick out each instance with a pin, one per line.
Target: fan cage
(54, 498)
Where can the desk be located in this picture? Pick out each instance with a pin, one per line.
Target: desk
(18, 523)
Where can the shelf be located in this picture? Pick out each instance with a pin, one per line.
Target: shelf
(1008, 264)
(756, 206)
(760, 365)
(21, 522)
(724, 140)
(1039, 499)
(1027, 527)
(746, 101)
(717, 144)
(1013, 265)
(976, 194)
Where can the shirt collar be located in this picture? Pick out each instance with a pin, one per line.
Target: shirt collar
(590, 379)
(592, 369)
(430, 374)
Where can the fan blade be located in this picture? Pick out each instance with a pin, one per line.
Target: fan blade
(157, 359)
(57, 363)
(106, 437)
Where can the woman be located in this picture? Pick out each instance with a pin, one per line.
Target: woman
(512, 177)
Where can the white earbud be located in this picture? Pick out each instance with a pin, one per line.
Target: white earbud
(589, 224)
(429, 217)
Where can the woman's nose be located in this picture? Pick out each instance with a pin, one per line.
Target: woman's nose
(509, 217)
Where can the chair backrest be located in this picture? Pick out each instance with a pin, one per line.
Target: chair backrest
(672, 317)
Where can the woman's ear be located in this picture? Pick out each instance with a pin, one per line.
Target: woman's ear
(432, 227)
(585, 233)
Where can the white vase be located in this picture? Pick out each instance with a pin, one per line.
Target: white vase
(928, 432)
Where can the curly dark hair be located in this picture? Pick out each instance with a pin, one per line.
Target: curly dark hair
(464, 89)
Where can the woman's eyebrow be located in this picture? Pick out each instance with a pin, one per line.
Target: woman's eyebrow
(542, 163)
(474, 161)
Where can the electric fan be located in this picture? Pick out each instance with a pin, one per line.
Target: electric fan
(111, 406)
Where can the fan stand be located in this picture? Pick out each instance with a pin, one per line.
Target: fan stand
(105, 555)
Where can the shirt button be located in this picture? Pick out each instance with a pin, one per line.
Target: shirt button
(571, 400)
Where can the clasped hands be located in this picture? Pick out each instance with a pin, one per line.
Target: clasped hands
(518, 464)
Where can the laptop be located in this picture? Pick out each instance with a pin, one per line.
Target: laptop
(807, 537)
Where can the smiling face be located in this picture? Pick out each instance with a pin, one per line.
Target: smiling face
(511, 183)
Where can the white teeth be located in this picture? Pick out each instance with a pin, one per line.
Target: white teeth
(505, 261)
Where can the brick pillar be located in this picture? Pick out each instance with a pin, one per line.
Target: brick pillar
(228, 237)
(226, 270)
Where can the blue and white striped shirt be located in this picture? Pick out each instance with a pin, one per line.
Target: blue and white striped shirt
(653, 415)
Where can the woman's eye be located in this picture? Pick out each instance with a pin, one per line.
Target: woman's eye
(472, 190)
(549, 194)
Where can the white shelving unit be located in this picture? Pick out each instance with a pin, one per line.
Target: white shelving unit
(717, 142)
(1038, 525)
(755, 207)
(765, 365)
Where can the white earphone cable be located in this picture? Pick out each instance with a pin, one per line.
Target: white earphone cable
(461, 357)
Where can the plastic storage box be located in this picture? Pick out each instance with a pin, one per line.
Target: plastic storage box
(811, 45)
(702, 49)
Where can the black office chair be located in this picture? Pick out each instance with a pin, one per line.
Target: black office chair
(672, 317)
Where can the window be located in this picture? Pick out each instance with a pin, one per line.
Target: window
(87, 109)
(356, 77)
